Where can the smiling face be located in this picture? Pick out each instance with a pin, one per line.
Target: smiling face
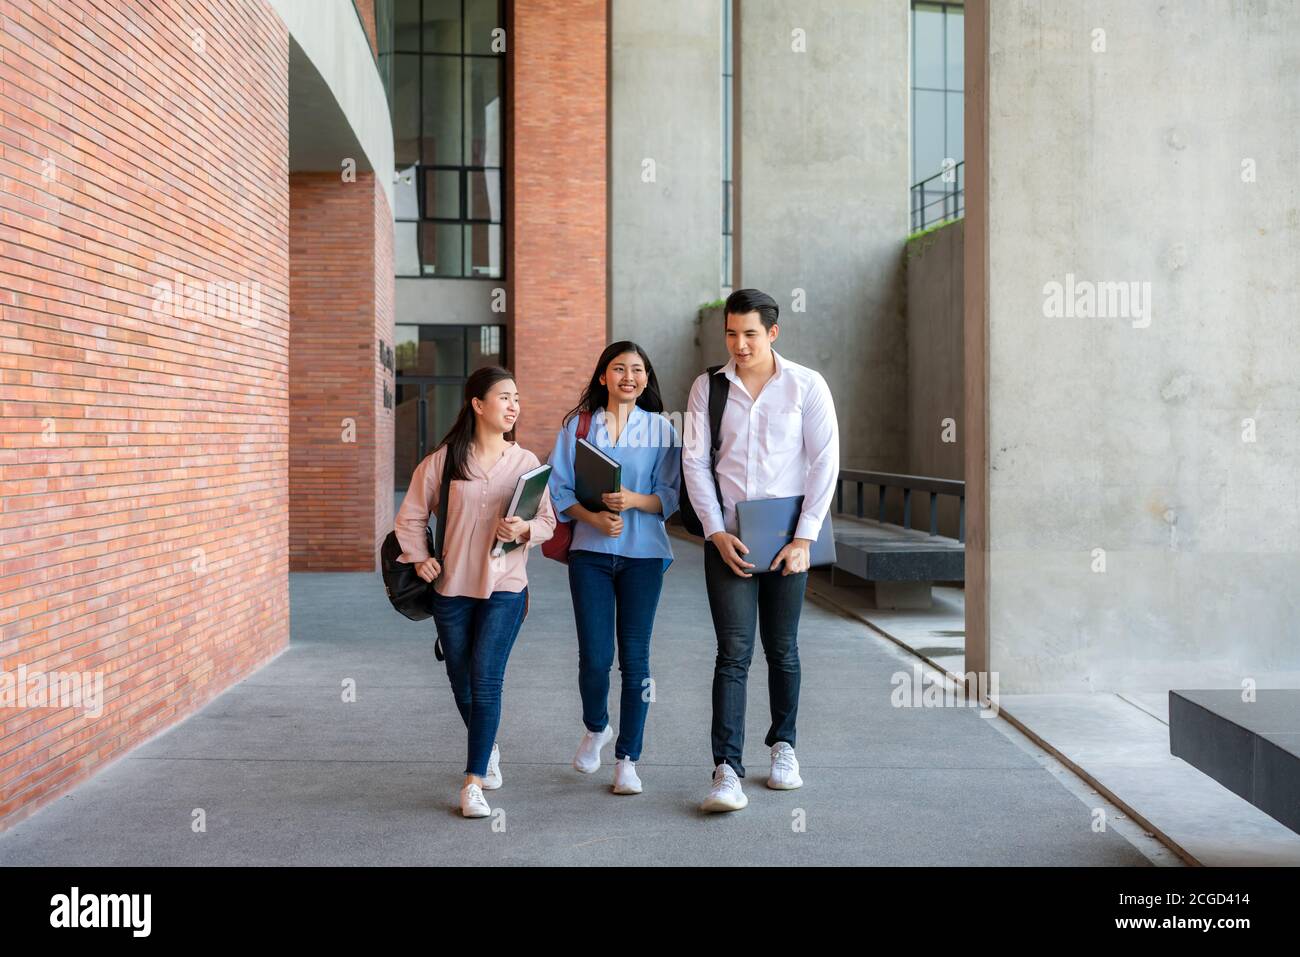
(749, 343)
(625, 377)
(499, 407)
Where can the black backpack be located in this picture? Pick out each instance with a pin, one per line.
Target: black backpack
(409, 593)
(719, 386)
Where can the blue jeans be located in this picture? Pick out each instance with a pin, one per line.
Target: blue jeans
(615, 597)
(775, 600)
(477, 635)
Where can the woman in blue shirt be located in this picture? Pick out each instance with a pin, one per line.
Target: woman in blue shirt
(618, 555)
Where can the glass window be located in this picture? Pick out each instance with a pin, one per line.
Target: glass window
(406, 194)
(482, 111)
(440, 249)
(442, 193)
(481, 18)
(441, 26)
(483, 250)
(441, 110)
(927, 46)
(406, 109)
(429, 350)
(953, 127)
(406, 253)
(955, 51)
(444, 406)
(447, 95)
(406, 348)
(728, 132)
(486, 347)
(938, 60)
(927, 132)
(406, 26)
(484, 195)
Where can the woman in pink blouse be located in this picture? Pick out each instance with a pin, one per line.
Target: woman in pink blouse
(478, 601)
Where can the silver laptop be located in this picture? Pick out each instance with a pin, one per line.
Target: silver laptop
(767, 525)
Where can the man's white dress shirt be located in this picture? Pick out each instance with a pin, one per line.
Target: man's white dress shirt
(785, 442)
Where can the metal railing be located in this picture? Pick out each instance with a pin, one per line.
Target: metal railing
(936, 199)
(934, 487)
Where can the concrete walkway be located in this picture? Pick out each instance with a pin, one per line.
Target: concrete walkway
(287, 773)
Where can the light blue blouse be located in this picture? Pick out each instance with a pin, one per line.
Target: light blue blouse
(650, 455)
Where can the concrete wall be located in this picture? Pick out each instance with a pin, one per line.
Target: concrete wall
(936, 432)
(823, 170)
(330, 33)
(447, 301)
(665, 235)
(1127, 435)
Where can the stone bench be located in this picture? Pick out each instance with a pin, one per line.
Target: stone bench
(900, 562)
(1252, 748)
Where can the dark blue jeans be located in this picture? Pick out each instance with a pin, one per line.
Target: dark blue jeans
(775, 601)
(615, 598)
(477, 635)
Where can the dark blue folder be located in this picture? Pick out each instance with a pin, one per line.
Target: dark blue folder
(767, 525)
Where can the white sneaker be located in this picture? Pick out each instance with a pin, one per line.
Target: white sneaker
(472, 802)
(726, 794)
(587, 760)
(625, 779)
(492, 780)
(785, 768)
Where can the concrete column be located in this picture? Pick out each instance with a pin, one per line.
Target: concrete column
(665, 180)
(823, 201)
(1143, 235)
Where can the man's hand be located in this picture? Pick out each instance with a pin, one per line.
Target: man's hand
(511, 529)
(797, 556)
(429, 569)
(731, 548)
(609, 523)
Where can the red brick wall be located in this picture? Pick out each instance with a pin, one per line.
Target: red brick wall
(556, 236)
(385, 430)
(340, 436)
(366, 11)
(143, 455)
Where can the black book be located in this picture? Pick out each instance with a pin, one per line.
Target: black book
(595, 473)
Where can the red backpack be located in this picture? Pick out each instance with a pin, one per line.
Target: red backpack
(557, 546)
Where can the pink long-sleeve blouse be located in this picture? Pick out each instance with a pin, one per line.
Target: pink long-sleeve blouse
(475, 507)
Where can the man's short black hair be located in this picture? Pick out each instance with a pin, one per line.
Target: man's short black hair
(743, 301)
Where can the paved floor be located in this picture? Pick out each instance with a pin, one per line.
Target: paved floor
(286, 772)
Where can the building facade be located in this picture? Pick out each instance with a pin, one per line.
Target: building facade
(251, 249)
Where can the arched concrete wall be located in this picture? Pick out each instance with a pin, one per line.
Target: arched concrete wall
(332, 38)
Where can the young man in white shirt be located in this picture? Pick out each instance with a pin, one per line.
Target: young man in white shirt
(779, 438)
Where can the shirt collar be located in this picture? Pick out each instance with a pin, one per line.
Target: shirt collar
(729, 370)
(471, 463)
(635, 414)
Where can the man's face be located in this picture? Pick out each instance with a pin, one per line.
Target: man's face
(747, 341)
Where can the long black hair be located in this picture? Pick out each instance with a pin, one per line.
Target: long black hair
(462, 431)
(596, 396)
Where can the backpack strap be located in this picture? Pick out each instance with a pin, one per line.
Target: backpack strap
(584, 424)
(719, 387)
(443, 495)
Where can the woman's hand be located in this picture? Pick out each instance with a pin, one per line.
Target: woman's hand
(608, 523)
(428, 569)
(512, 529)
(622, 501)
